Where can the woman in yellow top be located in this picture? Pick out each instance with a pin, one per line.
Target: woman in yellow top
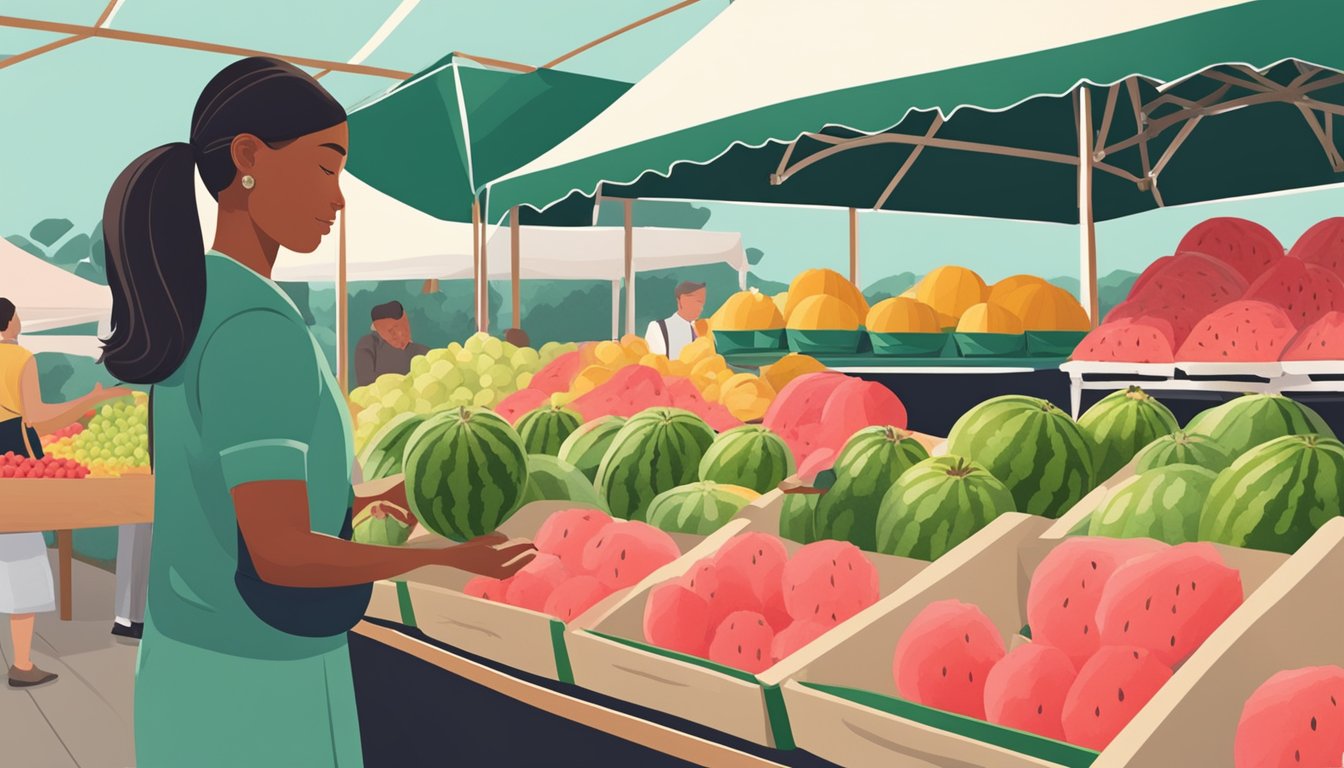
(25, 574)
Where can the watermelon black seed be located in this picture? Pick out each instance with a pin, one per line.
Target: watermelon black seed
(970, 676)
(1126, 629)
(1097, 711)
(944, 671)
(564, 534)
(1066, 602)
(1173, 641)
(1297, 755)
(1192, 586)
(1148, 604)
(758, 654)
(739, 650)
(1121, 693)
(1085, 628)
(1313, 723)
(1084, 583)
(967, 636)
(1094, 565)
(622, 554)
(1173, 608)
(1039, 709)
(1136, 654)
(832, 579)
(1332, 702)
(1178, 589)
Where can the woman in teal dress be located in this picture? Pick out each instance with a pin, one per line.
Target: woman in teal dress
(244, 659)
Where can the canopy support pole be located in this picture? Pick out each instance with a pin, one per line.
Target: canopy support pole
(629, 266)
(515, 235)
(476, 263)
(854, 246)
(615, 310)
(485, 280)
(1087, 228)
(342, 315)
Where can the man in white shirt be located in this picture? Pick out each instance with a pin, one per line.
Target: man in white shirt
(668, 336)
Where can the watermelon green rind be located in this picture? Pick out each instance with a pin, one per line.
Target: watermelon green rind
(1122, 423)
(937, 504)
(870, 462)
(1162, 504)
(386, 531)
(697, 508)
(1044, 458)
(550, 479)
(545, 430)
(751, 456)
(466, 472)
(585, 446)
(383, 455)
(656, 450)
(1276, 495)
(1241, 424)
(798, 517)
(1182, 448)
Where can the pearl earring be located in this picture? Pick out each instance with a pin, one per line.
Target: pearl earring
(249, 182)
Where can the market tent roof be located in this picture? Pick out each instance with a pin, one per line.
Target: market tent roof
(48, 297)
(598, 253)
(437, 138)
(871, 64)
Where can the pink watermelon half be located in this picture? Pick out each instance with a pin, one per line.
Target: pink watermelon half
(1129, 340)
(1322, 340)
(557, 375)
(1027, 688)
(1181, 290)
(1241, 332)
(630, 390)
(1243, 245)
(520, 403)
(1323, 245)
(1305, 291)
(1296, 718)
(944, 657)
(1109, 691)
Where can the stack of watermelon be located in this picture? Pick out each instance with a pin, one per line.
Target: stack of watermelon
(1109, 620)
(1231, 295)
(583, 556)
(751, 604)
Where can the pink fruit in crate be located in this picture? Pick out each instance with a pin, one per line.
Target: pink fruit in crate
(727, 591)
(515, 406)
(795, 413)
(532, 586)
(1181, 290)
(944, 657)
(1243, 245)
(574, 597)
(795, 636)
(1304, 291)
(1170, 601)
(558, 374)
(677, 619)
(624, 552)
(565, 533)
(1027, 688)
(1323, 245)
(759, 557)
(1322, 340)
(856, 404)
(1241, 332)
(1067, 587)
(1128, 340)
(1296, 718)
(630, 390)
(486, 588)
(1110, 689)
(829, 581)
(743, 641)
(683, 394)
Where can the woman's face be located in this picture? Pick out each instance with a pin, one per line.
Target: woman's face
(297, 191)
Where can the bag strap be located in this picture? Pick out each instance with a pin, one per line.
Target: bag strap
(667, 340)
(149, 428)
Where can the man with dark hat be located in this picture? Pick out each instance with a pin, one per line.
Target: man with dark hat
(389, 348)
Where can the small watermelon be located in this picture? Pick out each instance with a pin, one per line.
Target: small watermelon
(1183, 448)
(743, 641)
(698, 508)
(829, 581)
(383, 455)
(1026, 690)
(1123, 422)
(1109, 691)
(655, 451)
(550, 479)
(797, 517)
(677, 619)
(545, 429)
(532, 586)
(624, 552)
(872, 459)
(937, 504)
(1249, 420)
(585, 446)
(944, 657)
(727, 591)
(750, 456)
(1163, 504)
(1294, 719)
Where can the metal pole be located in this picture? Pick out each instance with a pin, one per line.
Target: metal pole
(514, 236)
(615, 310)
(485, 279)
(476, 260)
(629, 267)
(1087, 228)
(854, 246)
(342, 315)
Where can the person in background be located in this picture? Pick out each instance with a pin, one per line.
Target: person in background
(517, 337)
(389, 348)
(133, 546)
(669, 335)
(26, 587)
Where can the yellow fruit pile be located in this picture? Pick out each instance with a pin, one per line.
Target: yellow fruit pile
(958, 298)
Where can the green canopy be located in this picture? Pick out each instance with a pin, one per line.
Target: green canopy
(989, 91)
(434, 140)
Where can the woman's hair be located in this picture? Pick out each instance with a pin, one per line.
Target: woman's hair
(6, 313)
(151, 230)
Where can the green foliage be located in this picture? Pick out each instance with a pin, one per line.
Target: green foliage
(27, 245)
(49, 231)
(754, 256)
(72, 251)
(893, 285)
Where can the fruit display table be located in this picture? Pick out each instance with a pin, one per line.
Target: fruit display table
(869, 363)
(62, 505)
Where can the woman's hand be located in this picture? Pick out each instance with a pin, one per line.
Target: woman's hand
(101, 394)
(485, 556)
(390, 490)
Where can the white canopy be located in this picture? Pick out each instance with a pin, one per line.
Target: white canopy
(47, 296)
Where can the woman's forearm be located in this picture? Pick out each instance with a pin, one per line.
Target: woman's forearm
(50, 417)
(318, 560)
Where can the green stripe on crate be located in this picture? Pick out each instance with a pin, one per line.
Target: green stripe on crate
(404, 602)
(774, 697)
(563, 671)
(1021, 742)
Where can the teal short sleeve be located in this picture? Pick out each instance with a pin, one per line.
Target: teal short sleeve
(258, 392)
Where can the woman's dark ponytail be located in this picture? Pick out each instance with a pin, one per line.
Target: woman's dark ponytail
(151, 228)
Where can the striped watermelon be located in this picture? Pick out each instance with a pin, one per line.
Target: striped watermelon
(546, 429)
(585, 446)
(550, 479)
(937, 504)
(700, 508)
(751, 456)
(1044, 458)
(1277, 494)
(1182, 448)
(1123, 422)
(655, 451)
(1241, 424)
(466, 471)
(382, 456)
(870, 462)
(798, 517)
(1162, 504)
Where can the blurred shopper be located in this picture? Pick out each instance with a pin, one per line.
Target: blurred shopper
(388, 349)
(669, 335)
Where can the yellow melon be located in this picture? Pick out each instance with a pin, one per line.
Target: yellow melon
(823, 282)
(658, 363)
(781, 300)
(609, 353)
(635, 346)
(710, 391)
(988, 318)
(590, 378)
(703, 327)
(824, 313)
(950, 291)
(709, 365)
(697, 350)
(1047, 307)
(1000, 290)
(899, 315)
(788, 368)
(678, 368)
(748, 311)
(746, 396)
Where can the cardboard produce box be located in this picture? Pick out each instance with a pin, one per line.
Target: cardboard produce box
(520, 638)
(610, 655)
(385, 602)
(843, 702)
